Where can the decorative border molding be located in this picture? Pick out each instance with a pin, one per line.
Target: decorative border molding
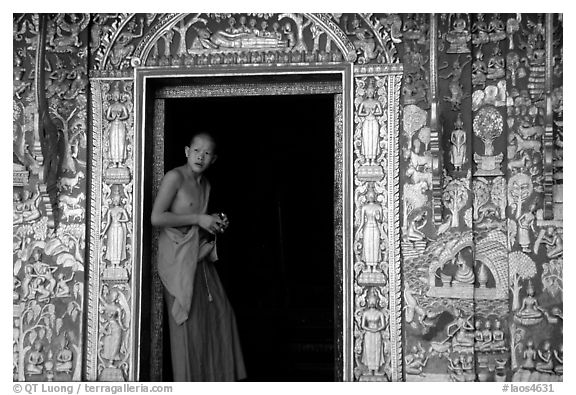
(157, 310)
(394, 270)
(548, 139)
(435, 133)
(249, 89)
(91, 369)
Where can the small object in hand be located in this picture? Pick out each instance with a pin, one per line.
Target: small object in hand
(222, 216)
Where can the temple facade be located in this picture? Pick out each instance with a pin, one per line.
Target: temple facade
(448, 148)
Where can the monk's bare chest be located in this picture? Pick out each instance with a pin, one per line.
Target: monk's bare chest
(188, 199)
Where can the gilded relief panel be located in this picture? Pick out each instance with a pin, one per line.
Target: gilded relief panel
(49, 195)
(466, 286)
(492, 81)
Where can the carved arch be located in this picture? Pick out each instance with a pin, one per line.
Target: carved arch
(165, 22)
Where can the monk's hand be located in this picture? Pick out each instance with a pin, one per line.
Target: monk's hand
(225, 221)
(210, 223)
(221, 222)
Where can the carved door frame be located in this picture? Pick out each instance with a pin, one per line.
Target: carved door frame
(114, 291)
(152, 134)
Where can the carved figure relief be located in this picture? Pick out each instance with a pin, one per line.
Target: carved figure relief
(117, 113)
(371, 120)
(371, 341)
(455, 86)
(67, 28)
(458, 140)
(370, 110)
(363, 39)
(371, 228)
(373, 322)
(121, 52)
(459, 34)
(114, 336)
(116, 233)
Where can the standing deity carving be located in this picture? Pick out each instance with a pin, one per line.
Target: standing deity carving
(458, 140)
(371, 217)
(370, 109)
(115, 229)
(115, 322)
(373, 322)
(525, 223)
(117, 114)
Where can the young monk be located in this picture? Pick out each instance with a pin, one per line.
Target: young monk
(203, 334)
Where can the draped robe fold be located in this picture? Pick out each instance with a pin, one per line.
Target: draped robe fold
(204, 339)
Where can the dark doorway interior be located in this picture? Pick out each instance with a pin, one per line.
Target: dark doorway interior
(274, 178)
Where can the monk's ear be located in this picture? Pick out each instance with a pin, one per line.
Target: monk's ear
(187, 150)
(214, 159)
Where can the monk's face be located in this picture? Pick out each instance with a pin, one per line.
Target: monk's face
(200, 153)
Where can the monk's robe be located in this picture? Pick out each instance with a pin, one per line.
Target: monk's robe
(203, 335)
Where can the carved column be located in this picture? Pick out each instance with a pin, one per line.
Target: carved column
(377, 349)
(110, 337)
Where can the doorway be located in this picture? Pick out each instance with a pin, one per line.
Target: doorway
(274, 178)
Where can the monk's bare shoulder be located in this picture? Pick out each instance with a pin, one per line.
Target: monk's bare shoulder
(174, 177)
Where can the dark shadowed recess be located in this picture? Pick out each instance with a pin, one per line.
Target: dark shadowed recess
(274, 178)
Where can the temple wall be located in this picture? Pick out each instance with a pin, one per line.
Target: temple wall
(464, 180)
(473, 257)
(49, 237)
